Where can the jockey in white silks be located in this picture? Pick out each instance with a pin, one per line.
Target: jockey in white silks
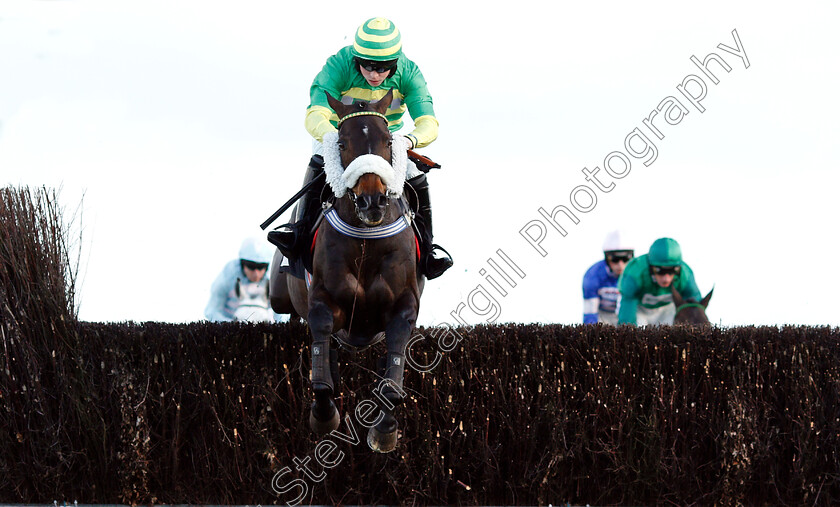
(240, 292)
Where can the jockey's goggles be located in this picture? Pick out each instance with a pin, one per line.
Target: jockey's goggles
(378, 67)
(665, 270)
(254, 266)
(619, 257)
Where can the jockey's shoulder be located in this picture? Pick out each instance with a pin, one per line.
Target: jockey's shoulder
(591, 277)
(637, 266)
(597, 271)
(686, 269)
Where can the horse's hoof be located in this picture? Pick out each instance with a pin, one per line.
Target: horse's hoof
(381, 442)
(321, 428)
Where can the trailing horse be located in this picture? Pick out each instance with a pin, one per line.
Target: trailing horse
(253, 303)
(691, 312)
(365, 284)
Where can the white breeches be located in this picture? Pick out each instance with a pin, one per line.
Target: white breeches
(664, 315)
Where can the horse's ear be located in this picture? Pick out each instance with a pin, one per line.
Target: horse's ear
(335, 104)
(382, 104)
(705, 300)
(678, 300)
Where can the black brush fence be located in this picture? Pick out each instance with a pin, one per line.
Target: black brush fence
(144, 413)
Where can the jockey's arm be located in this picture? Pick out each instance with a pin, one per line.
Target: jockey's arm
(628, 301)
(627, 310)
(420, 106)
(331, 79)
(425, 131)
(690, 289)
(215, 310)
(591, 299)
(317, 122)
(590, 310)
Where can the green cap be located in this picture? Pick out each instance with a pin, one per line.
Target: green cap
(665, 252)
(377, 39)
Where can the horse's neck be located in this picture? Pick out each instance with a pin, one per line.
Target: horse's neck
(364, 259)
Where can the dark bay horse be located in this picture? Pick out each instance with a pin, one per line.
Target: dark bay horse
(691, 312)
(363, 286)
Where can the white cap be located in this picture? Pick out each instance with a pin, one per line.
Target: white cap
(616, 241)
(256, 249)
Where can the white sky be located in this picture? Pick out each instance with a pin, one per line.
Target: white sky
(181, 122)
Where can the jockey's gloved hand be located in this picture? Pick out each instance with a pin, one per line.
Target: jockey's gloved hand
(409, 142)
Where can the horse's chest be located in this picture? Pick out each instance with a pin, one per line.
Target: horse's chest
(368, 277)
(363, 291)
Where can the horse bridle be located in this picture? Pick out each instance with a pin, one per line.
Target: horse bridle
(362, 113)
(350, 192)
(352, 196)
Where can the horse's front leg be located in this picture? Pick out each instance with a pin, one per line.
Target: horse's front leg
(323, 318)
(383, 436)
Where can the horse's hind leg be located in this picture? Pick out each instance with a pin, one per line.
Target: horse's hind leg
(383, 436)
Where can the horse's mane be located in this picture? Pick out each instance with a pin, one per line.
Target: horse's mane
(340, 178)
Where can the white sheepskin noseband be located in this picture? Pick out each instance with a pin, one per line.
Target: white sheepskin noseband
(341, 179)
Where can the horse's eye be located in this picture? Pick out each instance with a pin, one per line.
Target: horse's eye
(341, 145)
(390, 142)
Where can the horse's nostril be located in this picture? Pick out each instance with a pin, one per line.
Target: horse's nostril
(365, 202)
(382, 201)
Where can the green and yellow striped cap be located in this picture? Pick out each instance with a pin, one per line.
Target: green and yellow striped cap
(377, 39)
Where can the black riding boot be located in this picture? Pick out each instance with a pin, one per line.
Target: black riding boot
(293, 238)
(434, 260)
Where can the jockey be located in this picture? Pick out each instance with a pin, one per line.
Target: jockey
(249, 269)
(366, 70)
(645, 286)
(600, 283)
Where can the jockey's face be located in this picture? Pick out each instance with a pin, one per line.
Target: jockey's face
(254, 275)
(617, 267)
(617, 260)
(664, 280)
(664, 275)
(372, 77)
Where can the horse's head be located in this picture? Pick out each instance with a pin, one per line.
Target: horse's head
(691, 312)
(253, 302)
(364, 143)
